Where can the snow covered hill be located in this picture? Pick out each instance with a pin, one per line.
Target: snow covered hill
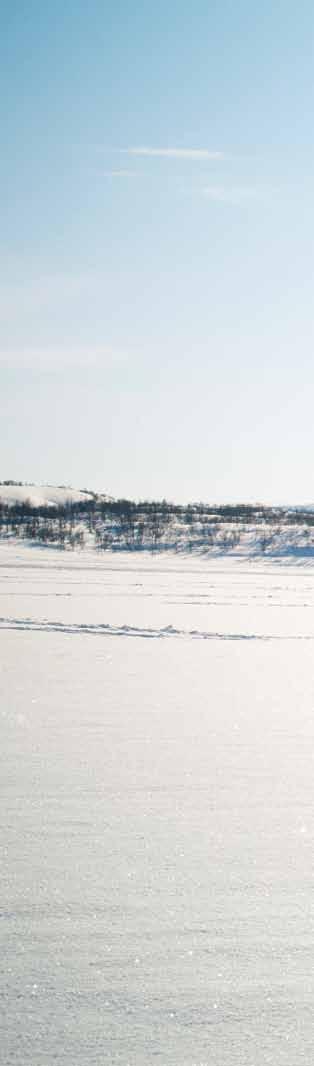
(64, 517)
(42, 495)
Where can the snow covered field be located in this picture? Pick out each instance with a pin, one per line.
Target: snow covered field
(157, 769)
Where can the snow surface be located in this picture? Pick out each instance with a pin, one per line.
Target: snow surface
(157, 813)
(41, 495)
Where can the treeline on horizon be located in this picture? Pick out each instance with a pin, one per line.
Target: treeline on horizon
(124, 524)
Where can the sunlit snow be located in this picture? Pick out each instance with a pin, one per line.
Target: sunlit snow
(157, 769)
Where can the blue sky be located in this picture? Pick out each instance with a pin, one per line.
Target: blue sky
(157, 248)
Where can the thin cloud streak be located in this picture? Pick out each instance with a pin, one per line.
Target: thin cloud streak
(233, 195)
(62, 357)
(195, 154)
(121, 174)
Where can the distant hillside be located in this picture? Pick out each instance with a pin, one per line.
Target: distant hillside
(65, 518)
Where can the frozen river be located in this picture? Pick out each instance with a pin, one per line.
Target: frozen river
(157, 814)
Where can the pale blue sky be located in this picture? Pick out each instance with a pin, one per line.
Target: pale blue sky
(157, 247)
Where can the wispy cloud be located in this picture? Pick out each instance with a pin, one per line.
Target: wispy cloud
(195, 154)
(53, 359)
(232, 194)
(120, 173)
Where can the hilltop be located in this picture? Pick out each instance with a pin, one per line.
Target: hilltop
(12, 493)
